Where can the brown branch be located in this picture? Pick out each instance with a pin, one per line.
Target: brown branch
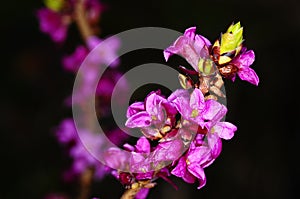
(135, 188)
(86, 179)
(81, 20)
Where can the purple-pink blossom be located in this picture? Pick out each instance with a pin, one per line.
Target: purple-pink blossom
(84, 149)
(66, 131)
(153, 116)
(193, 107)
(243, 62)
(103, 51)
(84, 154)
(73, 61)
(190, 46)
(53, 23)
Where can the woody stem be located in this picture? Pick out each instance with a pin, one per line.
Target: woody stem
(81, 20)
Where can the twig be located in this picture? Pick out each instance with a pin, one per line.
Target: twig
(85, 183)
(136, 187)
(81, 20)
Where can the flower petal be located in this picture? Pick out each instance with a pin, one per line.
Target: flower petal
(202, 183)
(215, 145)
(141, 119)
(200, 42)
(197, 100)
(181, 171)
(245, 59)
(142, 194)
(167, 151)
(197, 171)
(225, 130)
(190, 33)
(199, 155)
(249, 75)
(135, 108)
(180, 99)
(213, 112)
(142, 145)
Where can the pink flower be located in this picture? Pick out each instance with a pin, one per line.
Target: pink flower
(191, 166)
(190, 46)
(224, 130)
(103, 51)
(66, 131)
(243, 62)
(84, 154)
(152, 116)
(81, 149)
(94, 10)
(53, 23)
(73, 62)
(193, 107)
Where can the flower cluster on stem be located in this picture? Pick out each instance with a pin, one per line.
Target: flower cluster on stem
(188, 126)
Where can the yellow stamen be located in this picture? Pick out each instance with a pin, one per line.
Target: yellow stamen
(195, 113)
(153, 117)
(187, 162)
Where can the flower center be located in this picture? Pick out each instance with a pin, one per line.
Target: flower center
(194, 113)
(153, 117)
(187, 162)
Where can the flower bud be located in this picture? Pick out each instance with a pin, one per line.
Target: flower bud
(229, 44)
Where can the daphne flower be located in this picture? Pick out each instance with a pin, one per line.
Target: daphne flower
(140, 161)
(103, 51)
(155, 116)
(167, 152)
(190, 46)
(82, 148)
(243, 62)
(73, 62)
(193, 107)
(84, 154)
(94, 9)
(224, 130)
(191, 166)
(66, 131)
(53, 24)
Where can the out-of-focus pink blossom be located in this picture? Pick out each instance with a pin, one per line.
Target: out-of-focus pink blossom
(73, 62)
(66, 131)
(104, 51)
(53, 23)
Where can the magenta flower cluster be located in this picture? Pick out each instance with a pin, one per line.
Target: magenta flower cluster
(194, 47)
(181, 134)
(186, 145)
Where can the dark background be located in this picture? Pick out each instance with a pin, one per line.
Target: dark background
(259, 162)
